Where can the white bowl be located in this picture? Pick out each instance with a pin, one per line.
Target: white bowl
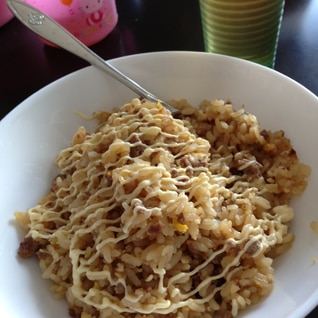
(34, 132)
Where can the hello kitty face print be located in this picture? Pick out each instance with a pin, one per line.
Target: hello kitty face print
(93, 9)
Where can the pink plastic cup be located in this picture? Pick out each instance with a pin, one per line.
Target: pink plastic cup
(88, 20)
(5, 13)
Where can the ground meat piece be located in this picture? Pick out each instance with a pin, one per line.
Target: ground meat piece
(155, 228)
(75, 312)
(137, 147)
(28, 247)
(136, 151)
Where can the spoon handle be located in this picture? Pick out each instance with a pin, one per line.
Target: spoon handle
(52, 31)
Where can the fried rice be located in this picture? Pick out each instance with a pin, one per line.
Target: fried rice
(157, 214)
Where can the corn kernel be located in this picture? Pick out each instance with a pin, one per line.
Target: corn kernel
(269, 147)
(179, 227)
(86, 315)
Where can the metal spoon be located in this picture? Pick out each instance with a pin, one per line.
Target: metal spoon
(52, 31)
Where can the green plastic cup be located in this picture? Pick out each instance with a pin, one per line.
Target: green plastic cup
(247, 29)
